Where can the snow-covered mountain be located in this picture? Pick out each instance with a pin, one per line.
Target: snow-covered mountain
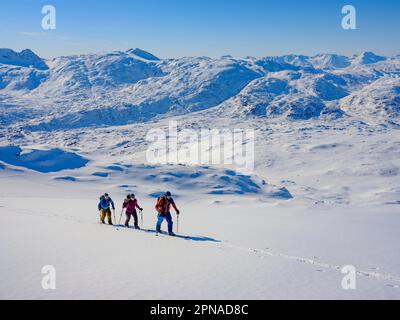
(368, 58)
(330, 61)
(118, 88)
(143, 54)
(378, 102)
(25, 58)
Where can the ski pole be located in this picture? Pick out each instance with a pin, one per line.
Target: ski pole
(115, 220)
(141, 217)
(177, 224)
(122, 211)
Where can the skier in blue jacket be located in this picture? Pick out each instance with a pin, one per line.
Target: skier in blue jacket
(105, 205)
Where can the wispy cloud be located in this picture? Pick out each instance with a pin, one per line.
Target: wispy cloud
(43, 34)
(32, 34)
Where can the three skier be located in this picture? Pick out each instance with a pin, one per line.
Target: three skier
(163, 208)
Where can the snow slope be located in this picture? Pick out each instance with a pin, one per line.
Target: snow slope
(378, 102)
(228, 247)
(41, 160)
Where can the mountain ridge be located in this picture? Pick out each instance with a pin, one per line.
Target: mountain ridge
(117, 88)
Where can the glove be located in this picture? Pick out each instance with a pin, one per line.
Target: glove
(178, 212)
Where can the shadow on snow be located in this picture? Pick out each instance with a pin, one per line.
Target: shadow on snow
(183, 237)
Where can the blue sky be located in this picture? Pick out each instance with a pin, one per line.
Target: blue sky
(175, 28)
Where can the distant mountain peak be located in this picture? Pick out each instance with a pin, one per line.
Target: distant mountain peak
(25, 58)
(143, 54)
(330, 61)
(369, 58)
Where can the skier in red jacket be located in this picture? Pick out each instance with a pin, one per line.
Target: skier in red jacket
(131, 204)
(163, 207)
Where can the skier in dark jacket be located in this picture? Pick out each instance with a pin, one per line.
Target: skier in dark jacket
(163, 207)
(105, 205)
(131, 204)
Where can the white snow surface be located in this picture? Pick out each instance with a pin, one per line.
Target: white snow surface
(325, 192)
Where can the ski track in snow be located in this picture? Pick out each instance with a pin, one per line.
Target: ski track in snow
(309, 261)
(226, 244)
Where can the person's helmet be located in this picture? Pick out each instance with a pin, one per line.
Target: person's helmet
(106, 195)
(168, 194)
(132, 196)
(128, 196)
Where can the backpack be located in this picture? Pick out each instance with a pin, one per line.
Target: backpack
(161, 204)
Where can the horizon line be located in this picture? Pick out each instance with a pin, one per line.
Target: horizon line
(202, 56)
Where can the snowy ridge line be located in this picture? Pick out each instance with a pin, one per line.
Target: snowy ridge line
(309, 261)
(226, 244)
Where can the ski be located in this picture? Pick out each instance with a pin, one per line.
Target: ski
(121, 227)
(165, 234)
